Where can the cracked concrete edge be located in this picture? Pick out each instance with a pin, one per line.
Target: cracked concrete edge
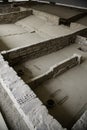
(15, 97)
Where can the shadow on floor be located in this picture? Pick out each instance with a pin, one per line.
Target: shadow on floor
(3, 46)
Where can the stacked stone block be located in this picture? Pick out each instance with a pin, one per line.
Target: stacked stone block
(33, 51)
(14, 16)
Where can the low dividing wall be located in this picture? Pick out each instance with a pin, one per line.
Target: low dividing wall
(14, 16)
(21, 54)
(21, 107)
(56, 70)
(8, 9)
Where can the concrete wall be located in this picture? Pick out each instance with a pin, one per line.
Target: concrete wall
(17, 55)
(21, 107)
(55, 70)
(14, 16)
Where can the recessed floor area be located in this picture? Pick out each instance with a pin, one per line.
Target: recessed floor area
(68, 89)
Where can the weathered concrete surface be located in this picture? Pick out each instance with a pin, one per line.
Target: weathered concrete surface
(2, 123)
(22, 109)
(81, 124)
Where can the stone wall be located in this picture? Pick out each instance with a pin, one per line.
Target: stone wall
(21, 54)
(14, 16)
(55, 70)
(21, 107)
(8, 9)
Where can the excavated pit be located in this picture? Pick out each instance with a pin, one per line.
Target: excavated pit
(59, 88)
(38, 44)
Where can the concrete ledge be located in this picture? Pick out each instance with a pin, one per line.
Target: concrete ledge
(21, 54)
(14, 16)
(72, 19)
(56, 70)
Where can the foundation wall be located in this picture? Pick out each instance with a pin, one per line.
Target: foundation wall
(18, 55)
(55, 71)
(21, 107)
(12, 116)
(14, 16)
(8, 9)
